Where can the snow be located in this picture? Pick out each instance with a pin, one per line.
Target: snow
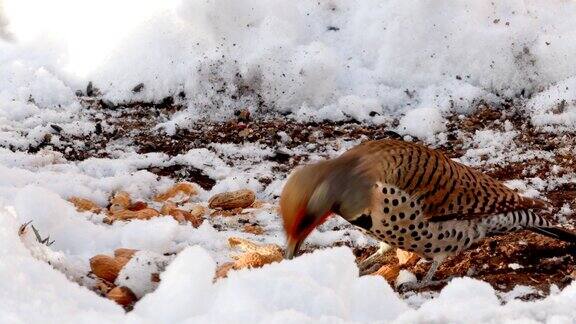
(515, 266)
(405, 276)
(422, 123)
(370, 61)
(322, 286)
(335, 60)
(136, 274)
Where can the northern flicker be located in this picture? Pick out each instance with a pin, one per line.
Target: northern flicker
(409, 196)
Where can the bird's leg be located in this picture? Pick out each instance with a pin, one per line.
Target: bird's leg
(427, 280)
(430, 274)
(370, 262)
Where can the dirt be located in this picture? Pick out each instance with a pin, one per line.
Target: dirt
(542, 261)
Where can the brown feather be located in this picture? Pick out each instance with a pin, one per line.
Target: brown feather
(446, 188)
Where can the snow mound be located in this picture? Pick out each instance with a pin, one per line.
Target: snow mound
(322, 286)
(322, 60)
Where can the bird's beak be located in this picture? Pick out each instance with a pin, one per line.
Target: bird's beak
(292, 247)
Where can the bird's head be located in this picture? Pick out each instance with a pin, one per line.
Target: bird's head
(315, 192)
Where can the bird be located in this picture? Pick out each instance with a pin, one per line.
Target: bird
(410, 197)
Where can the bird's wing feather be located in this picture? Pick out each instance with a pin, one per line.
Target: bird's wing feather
(446, 189)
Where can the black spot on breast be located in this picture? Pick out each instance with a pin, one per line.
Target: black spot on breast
(412, 204)
(384, 190)
(403, 199)
(364, 221)
(413, 217)
(401, 215)
(436, 250)
(392, 191)
(394, 202)
(386, 210)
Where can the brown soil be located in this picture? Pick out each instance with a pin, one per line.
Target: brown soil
(544, 261)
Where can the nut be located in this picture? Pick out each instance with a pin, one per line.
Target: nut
(253, 229)
(255, 255)
(120, 201)
(389, 272)
(146, 213)
(230, 200)
(105, 267)
(223, 269)
(406, 258)
(123, 252)
(180, 192)
(103, 286)
(178, 215)
(122, 295)
(167, 208)
(138, 205)
(198, 211)
(194, 216)
(83, 205)
(123, 256)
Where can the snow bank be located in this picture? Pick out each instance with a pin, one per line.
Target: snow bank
(323, 286)
(32, 291)
(334, 60)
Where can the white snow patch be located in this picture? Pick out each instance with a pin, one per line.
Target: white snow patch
(515, 266)
(422, 123)
(403, 277)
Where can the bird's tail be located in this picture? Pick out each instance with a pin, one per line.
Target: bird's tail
(556, 232)
(541, 225)
(527, 219)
